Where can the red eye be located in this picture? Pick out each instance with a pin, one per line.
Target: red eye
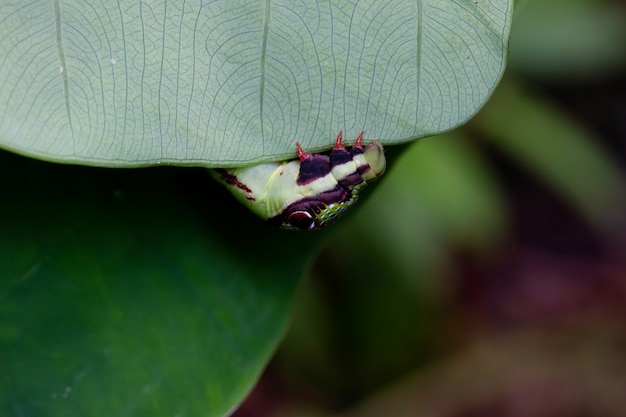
(301, 220)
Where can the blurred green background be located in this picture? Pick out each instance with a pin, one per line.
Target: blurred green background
(487, 277)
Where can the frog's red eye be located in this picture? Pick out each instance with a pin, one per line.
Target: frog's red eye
(302, 220)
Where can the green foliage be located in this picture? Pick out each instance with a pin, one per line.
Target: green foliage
(132, 293)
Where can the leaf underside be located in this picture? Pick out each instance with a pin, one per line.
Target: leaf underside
(129, 84)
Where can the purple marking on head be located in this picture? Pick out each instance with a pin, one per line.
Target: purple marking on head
(354, 151)
(339, 156)
(314, 166)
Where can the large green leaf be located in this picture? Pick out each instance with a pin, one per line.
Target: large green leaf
(222, 83)
(131, 293)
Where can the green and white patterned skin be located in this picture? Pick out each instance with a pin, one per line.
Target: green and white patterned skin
(310, 192)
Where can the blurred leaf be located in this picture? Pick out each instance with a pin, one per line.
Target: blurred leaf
(238, 82)
(440, 193)
(132, 293)
(559, 151)
(566, 38)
